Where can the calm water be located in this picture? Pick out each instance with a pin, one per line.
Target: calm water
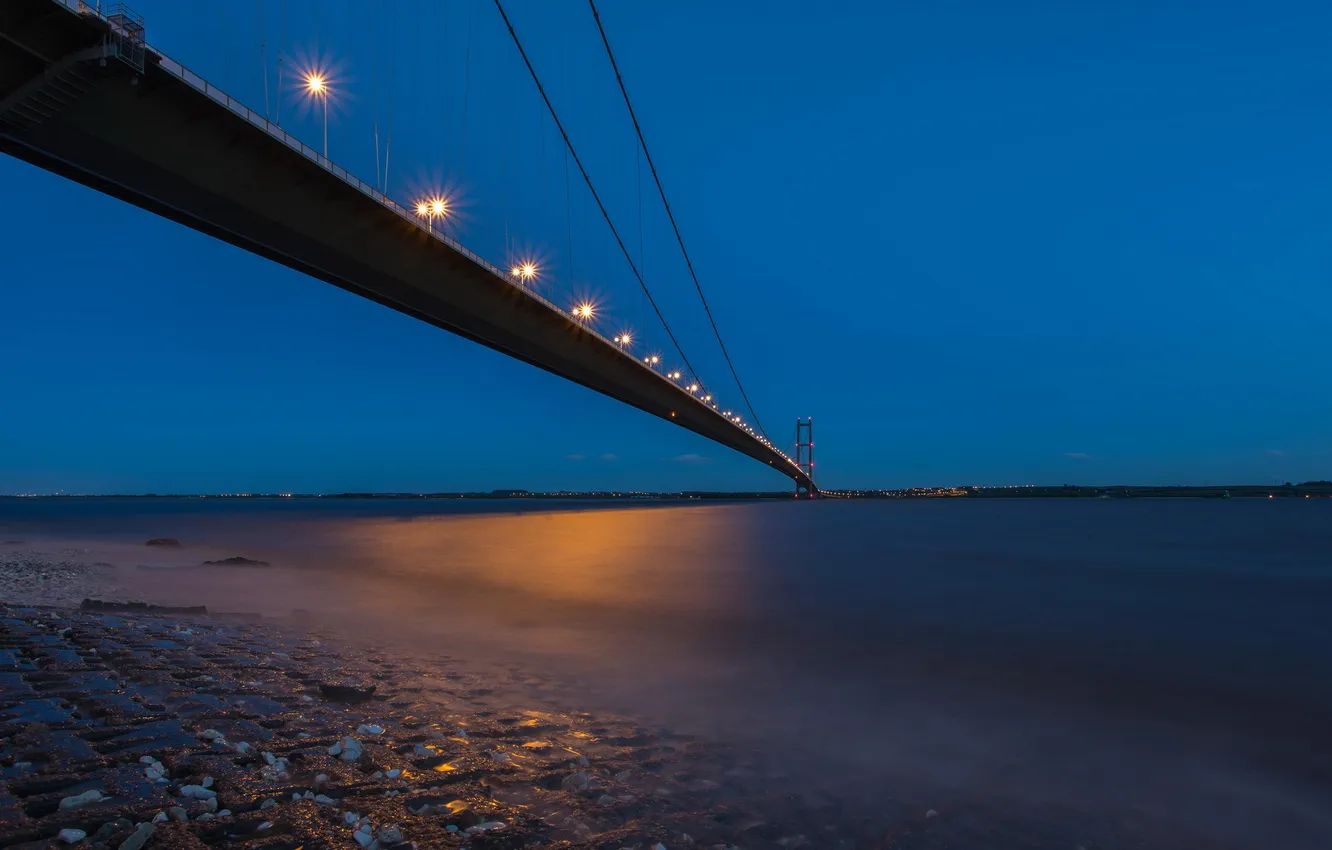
(1167, 659)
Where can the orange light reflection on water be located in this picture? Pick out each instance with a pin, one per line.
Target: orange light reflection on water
(618, 560)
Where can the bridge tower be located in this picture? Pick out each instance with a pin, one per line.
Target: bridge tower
(805, 452)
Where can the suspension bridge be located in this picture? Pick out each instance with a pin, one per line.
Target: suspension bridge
(84, 95)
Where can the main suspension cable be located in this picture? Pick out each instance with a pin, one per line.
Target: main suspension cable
(592, 189)
(670, 215)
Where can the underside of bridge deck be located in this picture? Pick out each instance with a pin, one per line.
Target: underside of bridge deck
(73, 103)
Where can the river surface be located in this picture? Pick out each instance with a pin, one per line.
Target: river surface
(1165, 664)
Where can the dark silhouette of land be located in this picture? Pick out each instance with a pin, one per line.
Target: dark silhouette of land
(1305, 490)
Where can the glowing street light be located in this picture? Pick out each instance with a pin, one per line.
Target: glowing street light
(674, 376)
(652, 359)
(525, 271)
(433, 208)
(624, 339)
(693, 388)
(584, 312)
(317, 86)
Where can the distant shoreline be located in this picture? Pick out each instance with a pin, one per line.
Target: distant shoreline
(1308, 489)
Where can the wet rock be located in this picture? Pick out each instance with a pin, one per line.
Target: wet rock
(485, 827)
(931, 814)
(72, 836)
(197, 792)
(177, 813)
(390, 834)
(346, 693)
(139, 607)
(164, 543)
(110, 828)
(139, 838)
(267, 804)
(324, 800)
(80, 800)
(370, 729)
(606, 800)
(236, 561)
(160, 817)
(575, 781)
(348, 749)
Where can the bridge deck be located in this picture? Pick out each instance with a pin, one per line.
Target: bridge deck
(167, 141)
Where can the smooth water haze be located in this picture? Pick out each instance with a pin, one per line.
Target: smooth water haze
(1164, 662)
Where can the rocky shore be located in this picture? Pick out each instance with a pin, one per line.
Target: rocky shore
(129, 726)
(125, 726)
(129, 730)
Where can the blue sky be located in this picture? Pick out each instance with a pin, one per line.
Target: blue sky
(979, 242)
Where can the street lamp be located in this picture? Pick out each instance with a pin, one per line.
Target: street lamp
(584, 312)
(433, 208)
(317, 86)
(624, 339)
(525, 271)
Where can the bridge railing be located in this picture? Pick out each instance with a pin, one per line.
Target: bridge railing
(261, 122)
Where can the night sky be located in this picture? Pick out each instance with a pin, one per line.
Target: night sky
(979, 242)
